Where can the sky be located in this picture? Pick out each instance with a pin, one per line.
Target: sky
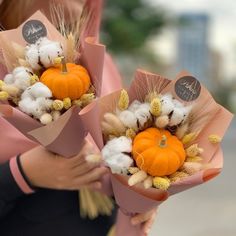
(222, 34)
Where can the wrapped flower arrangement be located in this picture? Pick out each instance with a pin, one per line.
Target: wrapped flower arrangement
(158, 138)
(50, 77)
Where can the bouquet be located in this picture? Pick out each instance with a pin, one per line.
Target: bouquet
(158, 138)
(51, 77)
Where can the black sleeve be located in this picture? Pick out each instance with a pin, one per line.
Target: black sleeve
(9, 190)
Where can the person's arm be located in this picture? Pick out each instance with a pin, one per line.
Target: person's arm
(10, 190)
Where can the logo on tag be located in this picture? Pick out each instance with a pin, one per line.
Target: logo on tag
(33, 30)
(187, 88)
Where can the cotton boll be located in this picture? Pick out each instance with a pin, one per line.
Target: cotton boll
(9, 79)
(143, 114)
(49, 52)
(25, 105)
(44, 103)
(32, 56)
(20, 69)
(43, 41)
(22, 77)
(177, 116)
(117, 145)
(128, 119)
(167, 105)
(119, 163)
(177, 103)
(134, 105)
(39, 90)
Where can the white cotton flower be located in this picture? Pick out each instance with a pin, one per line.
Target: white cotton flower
(177, 103)
(32, 56)
(39, 90)
(176, 117)
(49, 52)
(117, 145)
(42, 41)
(43, 53)
(20, 77)
(134, 105)
(167, 105)
(119, 163)
(35, 100)
(9, 79)
(129, 119)
(143, 113)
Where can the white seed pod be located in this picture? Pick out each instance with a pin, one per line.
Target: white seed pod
(46, 119)
(148, 182)
(137, 178)
(161, 122)
(113, 120)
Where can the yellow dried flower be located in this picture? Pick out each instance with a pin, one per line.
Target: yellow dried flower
(151, 96)
(57, 105)
(66, 103)
(213, 138)
(161, 183)
(155, 107)
(177, 176)
(193, 150)
(57, 60)
(189, 137)
(130, 133)
(123, 100)
(133, 170)
(4, 95)
(1, 84)
(33, 79)
(87, 98)
(77, 103)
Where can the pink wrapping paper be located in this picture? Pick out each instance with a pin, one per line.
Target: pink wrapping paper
(136, 199)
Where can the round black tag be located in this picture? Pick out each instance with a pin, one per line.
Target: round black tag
(187, 88)
(33, 30)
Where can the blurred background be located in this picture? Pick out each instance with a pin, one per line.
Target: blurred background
(166, 37)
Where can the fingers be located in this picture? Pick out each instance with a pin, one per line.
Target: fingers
(141, 218)
(84, 168)
(92, 176)
(148, 224)
(85, 151)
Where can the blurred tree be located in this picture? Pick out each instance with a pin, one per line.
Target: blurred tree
(127, 28)
(128, 24)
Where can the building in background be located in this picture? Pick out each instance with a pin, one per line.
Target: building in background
(192, 46)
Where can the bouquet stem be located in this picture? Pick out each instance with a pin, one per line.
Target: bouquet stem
(93, 204)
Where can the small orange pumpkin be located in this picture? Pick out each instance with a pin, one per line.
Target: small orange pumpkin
(157, 152)
(71, 81)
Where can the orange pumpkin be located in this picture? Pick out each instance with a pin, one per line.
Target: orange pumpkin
(157, 152)
(71, 81)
